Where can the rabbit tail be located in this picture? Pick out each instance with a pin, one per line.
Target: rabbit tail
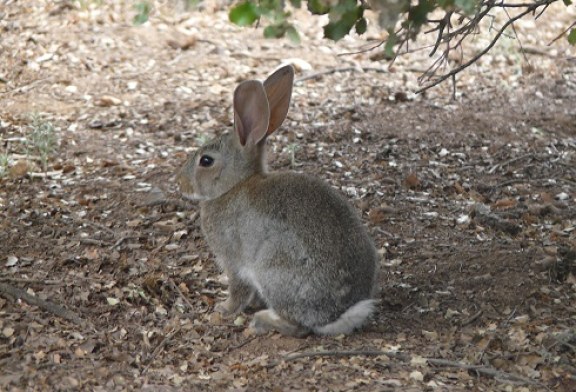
(351, 319)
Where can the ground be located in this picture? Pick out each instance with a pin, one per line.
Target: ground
(107, 284)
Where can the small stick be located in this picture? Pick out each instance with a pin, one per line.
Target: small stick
(562, 33)
(91, 241)
(509, 161)
(366, 353)
(159, 348)
(487, 371)
(334, 70)
(472, 318)
(484, 370)
(180, 293)
(121, 240)
(99, 226)
(57, 310)
(32, 281)
(245, 342)
(167, 202)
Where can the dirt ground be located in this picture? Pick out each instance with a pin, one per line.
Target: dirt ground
(107, 284)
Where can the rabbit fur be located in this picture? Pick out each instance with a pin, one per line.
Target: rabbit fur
(286, 241)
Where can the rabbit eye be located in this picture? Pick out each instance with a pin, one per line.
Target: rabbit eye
(206, 161)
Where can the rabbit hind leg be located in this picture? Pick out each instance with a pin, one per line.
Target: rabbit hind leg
(268, 320)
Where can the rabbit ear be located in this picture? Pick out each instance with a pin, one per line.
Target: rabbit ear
(251, 112)
(279, 90)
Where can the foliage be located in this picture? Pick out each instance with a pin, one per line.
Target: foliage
(143, 9)
(4, 160)
(347, 15)
(85, 4)
(572, 37)
(451, 21)
(248, 12)
(42, 139)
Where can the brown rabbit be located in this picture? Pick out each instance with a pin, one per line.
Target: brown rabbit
(287, 240)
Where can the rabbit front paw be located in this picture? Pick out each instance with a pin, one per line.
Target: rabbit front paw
(229, 307)
(268, 320)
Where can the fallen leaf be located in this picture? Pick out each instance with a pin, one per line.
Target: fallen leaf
(107, 100)
(8, 332)
(20, 168)
(505, 203)
(430, 335)
(11, 261)
(417, 376)
(183, 43)
(418, 360)
(412, 181)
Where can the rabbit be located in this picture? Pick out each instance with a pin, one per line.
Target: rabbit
(287, 241)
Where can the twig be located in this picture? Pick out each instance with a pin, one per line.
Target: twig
(245, 342)
(509, 161)
(564, 339)
(483, 370)
(99, 226)
(57, 310)
(533, 180)
(365, 353)
(379, 44)
(563, 33)
(91, 241)
(22, 86)
(158, 348)
(166, 202)
(32, 281)
(442, 24)
(343, 69)
(471, 319)
(177, 289)
(121, 240)
(154, 251)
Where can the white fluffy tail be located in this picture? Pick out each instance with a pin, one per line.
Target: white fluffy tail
(351, 319)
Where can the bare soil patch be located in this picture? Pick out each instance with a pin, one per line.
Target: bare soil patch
(471, 204)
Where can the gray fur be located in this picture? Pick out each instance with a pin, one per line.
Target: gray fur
(286, 239)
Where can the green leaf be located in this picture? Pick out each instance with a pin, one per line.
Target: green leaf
(572, 37)
(445, 3)
(244, 14)
(389, 47)
(361, 26)
(142, 13)
(567, 2)
(419, 13)
(292, 34)
(342, 18)
(337, 30)
(318, 7)
(274, 31)
(296, 3)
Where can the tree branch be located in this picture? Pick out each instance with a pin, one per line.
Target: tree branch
(481, 370)
(57, 310)
(475, 58)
